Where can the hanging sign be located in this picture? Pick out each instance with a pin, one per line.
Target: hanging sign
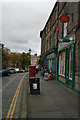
(64, 18)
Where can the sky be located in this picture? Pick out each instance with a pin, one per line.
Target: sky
(21, 23)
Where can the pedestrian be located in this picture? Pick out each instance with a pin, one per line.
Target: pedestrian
(37, 67)
(46, 69)
(39, 70)
(46, 73)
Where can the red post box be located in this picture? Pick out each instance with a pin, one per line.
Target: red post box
(32, 71)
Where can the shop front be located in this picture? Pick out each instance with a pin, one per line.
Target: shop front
(66, 63)
(51, 62)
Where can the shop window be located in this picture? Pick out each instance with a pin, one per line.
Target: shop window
(70, 68)
(62, 63)
(50, 64)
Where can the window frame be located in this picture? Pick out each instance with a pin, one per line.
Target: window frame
(65, 29)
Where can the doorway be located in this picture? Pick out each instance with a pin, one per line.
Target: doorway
(67, 65)
(69, 68)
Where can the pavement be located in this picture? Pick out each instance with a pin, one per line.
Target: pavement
(54, 101)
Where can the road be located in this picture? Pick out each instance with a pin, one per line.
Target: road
(11, 94)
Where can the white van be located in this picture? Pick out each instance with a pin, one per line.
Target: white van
(17, 70)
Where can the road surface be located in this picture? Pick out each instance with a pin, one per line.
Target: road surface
(11, 94)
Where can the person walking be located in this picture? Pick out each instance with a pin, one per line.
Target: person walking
(37, 67)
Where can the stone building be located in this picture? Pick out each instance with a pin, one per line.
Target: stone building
(49, 37)
(60, 43)
(69, 68)
(34, 59)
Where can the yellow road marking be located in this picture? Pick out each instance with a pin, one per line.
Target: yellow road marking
(14, 99)
(14, 104)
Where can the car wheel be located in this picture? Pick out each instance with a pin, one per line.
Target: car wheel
(9, 74)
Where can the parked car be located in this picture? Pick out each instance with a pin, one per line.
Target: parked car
(5, 72)
(21, 70)
(26, 70)
(12, 70)
(17, 70)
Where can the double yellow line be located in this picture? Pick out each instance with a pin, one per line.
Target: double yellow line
(14, 100)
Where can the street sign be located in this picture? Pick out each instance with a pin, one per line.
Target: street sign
(64, 18)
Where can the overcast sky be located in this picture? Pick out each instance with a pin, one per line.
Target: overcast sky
(22, 23)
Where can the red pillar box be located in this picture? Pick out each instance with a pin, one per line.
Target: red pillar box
(32, 71)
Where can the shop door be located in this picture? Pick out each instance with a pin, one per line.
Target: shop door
(67, 66)
(47, 63)
(68, 80)
(54, 66)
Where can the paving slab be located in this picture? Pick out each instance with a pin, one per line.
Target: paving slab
(54, 101)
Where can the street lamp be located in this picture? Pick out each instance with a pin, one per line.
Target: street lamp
(30, 56)
(29, 51)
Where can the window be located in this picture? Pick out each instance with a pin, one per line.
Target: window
(50, 42)
(70, 68)
(55, 14)
(54, 38)
(62, 63)
(46, 45)
(50, 64)
(48, 26)
(65, 29)
(46, 30)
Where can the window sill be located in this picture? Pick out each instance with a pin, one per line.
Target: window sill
(62, 76)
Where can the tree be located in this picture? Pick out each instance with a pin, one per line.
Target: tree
(16, 60)
(25, 58)
(5, 57)
(41, 62)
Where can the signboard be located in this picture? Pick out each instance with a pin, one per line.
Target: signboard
(34, 86)
(62, 45)
(50, 56)
(64, 18)
(64, 40)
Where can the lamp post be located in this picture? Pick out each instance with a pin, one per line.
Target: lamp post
(1, 55)
(29, 51)
(29, 56)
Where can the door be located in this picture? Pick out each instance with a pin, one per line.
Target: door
(47, 63)
(69, 63)
(54, 66)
